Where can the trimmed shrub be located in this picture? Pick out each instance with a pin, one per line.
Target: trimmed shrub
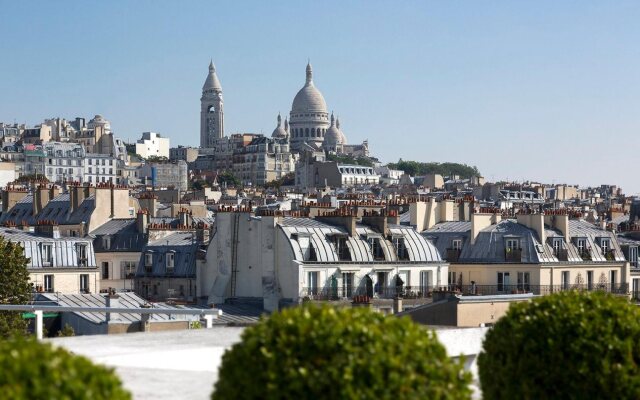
(569, 345)
(312, 352)
(34, 370)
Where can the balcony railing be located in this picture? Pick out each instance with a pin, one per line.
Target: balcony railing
(385, 292)
(453, 255)
(513, 255)
(522, 288)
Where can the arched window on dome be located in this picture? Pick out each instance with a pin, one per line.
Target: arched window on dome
(306, 133)
(318, 132)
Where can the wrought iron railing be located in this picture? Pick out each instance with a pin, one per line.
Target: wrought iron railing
(384, 292)
(453, 255)
(513, 255)
(522, 288)
(419, 292)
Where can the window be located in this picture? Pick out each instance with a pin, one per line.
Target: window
(512, 244)
(105, 270)
(589, 280)
(81, 249)
(556, 247)
(48, 283)
(605, 246)
(451, 279)
(47, 254)
(503, 281)
(401, 248)
(312, 282)
(106, 242)
(456, 244)
(612, 279)
(128, 269)
(170, 262)
(84, 283)
(582, 246)
(633, 256)
(523, 281)
(376, 249)
(564, 280)
(340, 243)
(381, 284)
(347, 284)
(425, 281)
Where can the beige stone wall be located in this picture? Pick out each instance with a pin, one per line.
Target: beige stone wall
(475, 314)
(115, 259)
(67, 282)
(486, 274)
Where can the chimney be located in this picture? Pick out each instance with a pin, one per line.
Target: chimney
(10, 196)
(113, 301)
(142, 221)
(40, 198)
(343, 218)
(77, 194)
(446, 210)
(534, 222)
(376, 220)
(480, 221)
(185, 217)
(558, 219)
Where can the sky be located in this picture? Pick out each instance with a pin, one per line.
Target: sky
(545, 91)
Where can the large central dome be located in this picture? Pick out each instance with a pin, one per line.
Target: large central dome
(309, 99)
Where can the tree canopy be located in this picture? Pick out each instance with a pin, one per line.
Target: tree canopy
(15, 287)
(348, 159)
(312, 352)
(416, 168)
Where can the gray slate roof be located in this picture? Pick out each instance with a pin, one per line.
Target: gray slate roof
(419, 249)
(127, 300)
(490, 244)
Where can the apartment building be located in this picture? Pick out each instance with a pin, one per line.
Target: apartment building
(280, 258)
(536, 253)
(56, 264)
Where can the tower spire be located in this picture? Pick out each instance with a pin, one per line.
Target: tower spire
(309, 73)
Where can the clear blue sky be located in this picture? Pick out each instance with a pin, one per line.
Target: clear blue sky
(524, 90)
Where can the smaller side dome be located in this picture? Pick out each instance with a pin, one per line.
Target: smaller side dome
(279, 132)
(342, 135)
(333, 136)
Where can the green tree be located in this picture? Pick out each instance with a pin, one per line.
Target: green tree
(34, 370)
(569, 345)
(67, 330)
(415, 168)
(14, 287)
(312, 352)
(351, 160)
(229, 178)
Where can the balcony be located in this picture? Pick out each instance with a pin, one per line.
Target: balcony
(513, 255)
(522, 288)
(384, 292)
(453, 255)
(585, 255)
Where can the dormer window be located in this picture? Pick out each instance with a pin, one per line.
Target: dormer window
(376, 248)
(47, 254)
(512, 244)
(170, 262)
(401, 248)
(557, 244)
(106, 242)
(148, 259)
(605, 245)
(81, 248)
(340, 244)
(456, 244)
